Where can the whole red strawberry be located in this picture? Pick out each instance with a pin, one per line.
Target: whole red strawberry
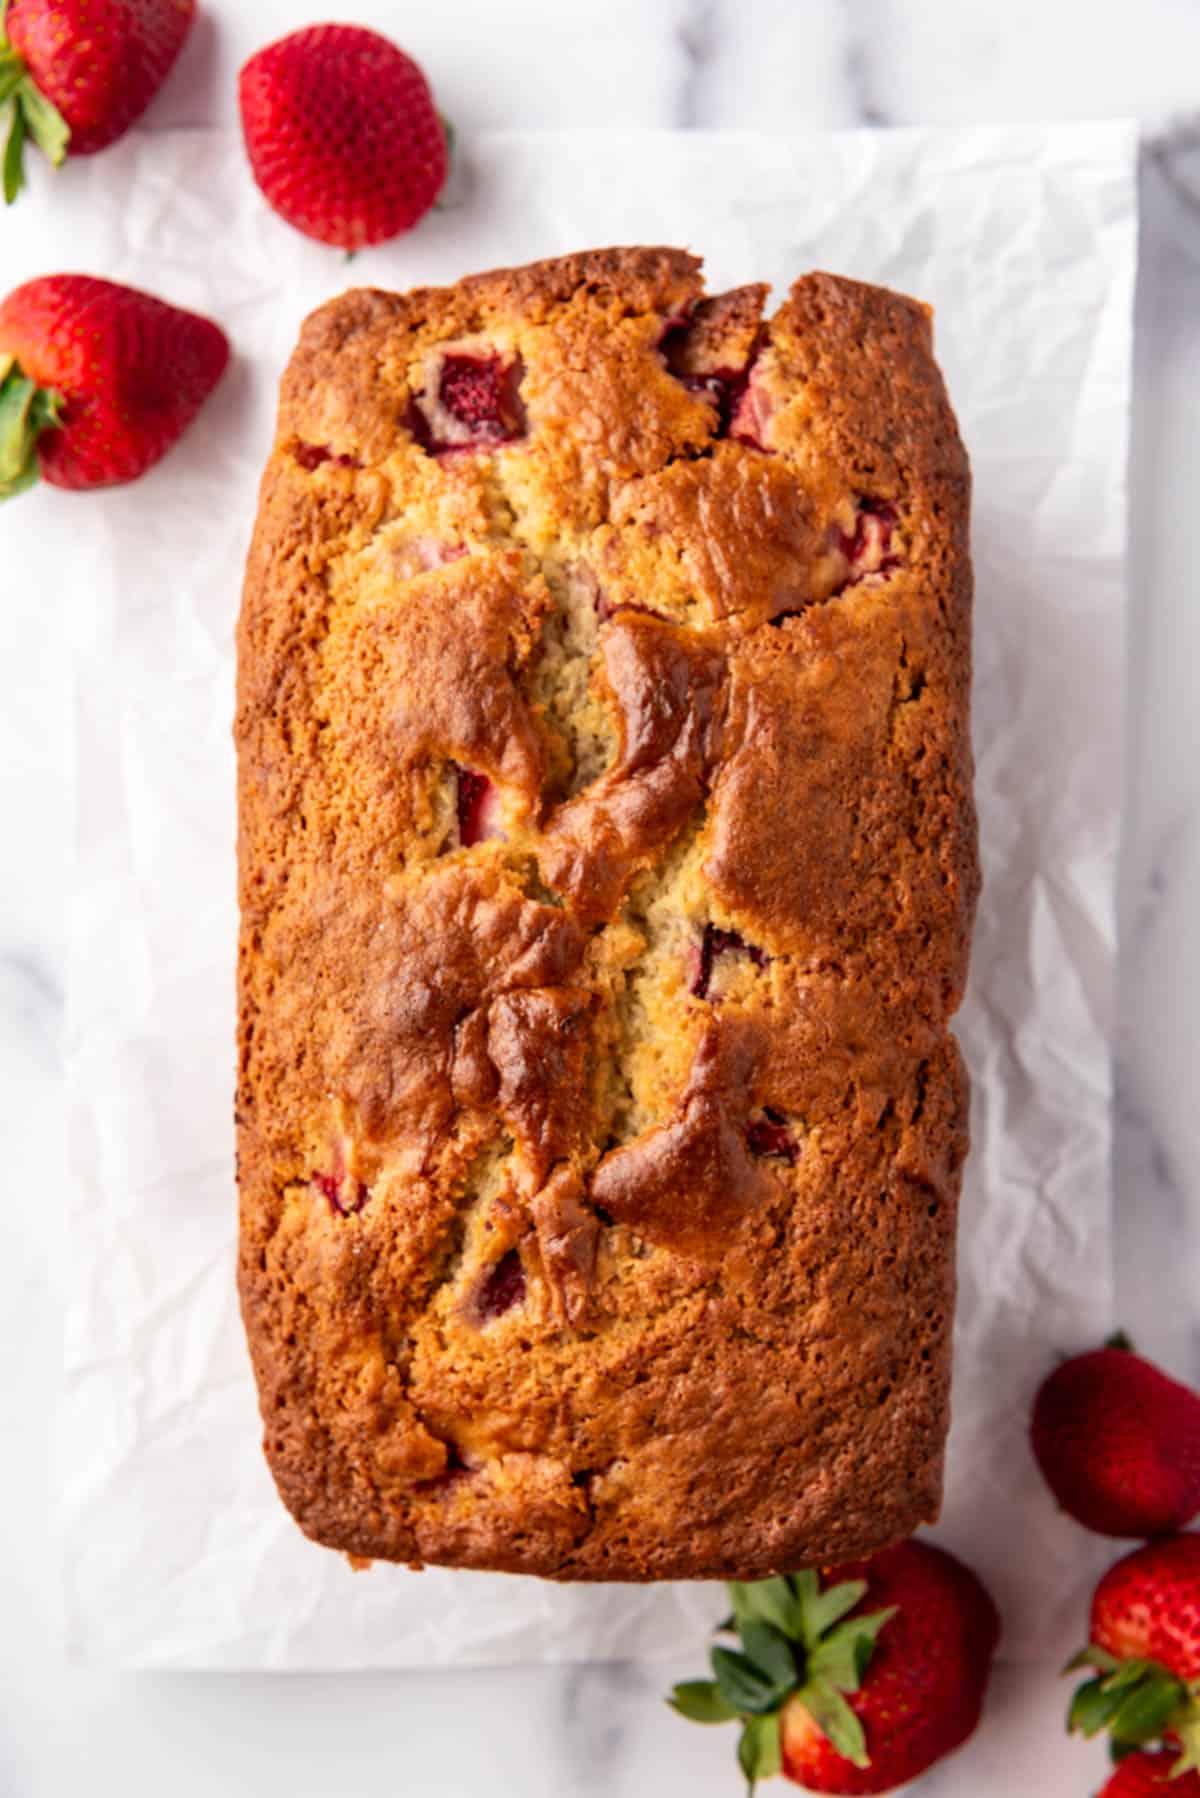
(77, 73)
(1145, 1649)
(97, 381)
(858, 1685)
(1150, 1776)
(1119, 1443)
(342, 134)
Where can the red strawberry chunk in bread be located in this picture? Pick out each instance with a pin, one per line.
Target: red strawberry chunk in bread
(868, 549)
(312, 455)
(750, 414)
(473, 389)
(503, 1287)
(713, 944)
(865, 550)
(713, 351)
(726, 386)
(346, 1195)
(769, 1136)
(478, 808)
(474, 402)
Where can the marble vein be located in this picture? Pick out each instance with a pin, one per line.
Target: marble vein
(1175, 152)
(861, 75)
(32, 1007)
(696, 41)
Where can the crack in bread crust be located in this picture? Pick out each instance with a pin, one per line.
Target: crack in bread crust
(607, 868)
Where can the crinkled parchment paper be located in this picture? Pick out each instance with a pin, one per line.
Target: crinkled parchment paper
(177, 1551)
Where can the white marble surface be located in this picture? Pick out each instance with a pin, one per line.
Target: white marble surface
(769, 64)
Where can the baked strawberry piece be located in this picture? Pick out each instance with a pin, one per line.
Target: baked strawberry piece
(770, 1137)
(313, 455)
(345, 1194)
(502, 1287)
(716, 945)
(868, 548)
(713, 349)
(471, 400)
(477, 807)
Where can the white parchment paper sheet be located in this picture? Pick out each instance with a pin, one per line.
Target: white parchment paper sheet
(177, 1551)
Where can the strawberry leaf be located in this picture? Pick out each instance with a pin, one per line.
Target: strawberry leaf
(12, 71)
(844, 1655)
(700, 1701)
(1128, 1673)
(1091, 1656)
(1145, 1709)
(759, 1754)
(1091, 1708)
(770, 1651)
(805, 1584)
(26, 410)
(741, 1683)
(836, 1721)
(44, 123)
(828, 1607)
(1185, 1725)
(14, 148)
(765, 1601)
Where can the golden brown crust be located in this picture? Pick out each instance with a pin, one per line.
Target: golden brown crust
(607, 871)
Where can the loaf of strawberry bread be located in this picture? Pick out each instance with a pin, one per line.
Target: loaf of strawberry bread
(607, 873)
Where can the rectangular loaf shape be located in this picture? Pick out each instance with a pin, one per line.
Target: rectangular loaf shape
(607, 866)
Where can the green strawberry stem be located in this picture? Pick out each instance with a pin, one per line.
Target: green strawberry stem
(797, 1641)
(26, 410)
(1138, 1702)
(30, 115)
(442, 204)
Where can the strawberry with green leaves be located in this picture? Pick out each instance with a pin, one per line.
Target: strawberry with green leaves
(97, 381)
(855, 1684)
(75, 74)
(1118, 1442)
(1144, 1652)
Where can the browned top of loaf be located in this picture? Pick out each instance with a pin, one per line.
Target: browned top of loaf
(599, 1175)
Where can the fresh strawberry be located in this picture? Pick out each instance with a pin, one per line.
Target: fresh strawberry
(97, 381)
(1150, 1776)
(77, 73)
(342, 134)
(858, 1685)
(1145, 1651)
(1119, 1443)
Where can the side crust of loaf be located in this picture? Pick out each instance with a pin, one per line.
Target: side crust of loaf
(607, 869)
